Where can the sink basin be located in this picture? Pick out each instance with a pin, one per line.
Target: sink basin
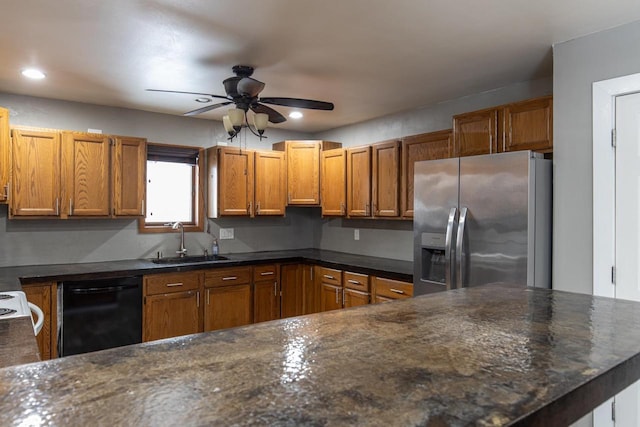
(189, 259)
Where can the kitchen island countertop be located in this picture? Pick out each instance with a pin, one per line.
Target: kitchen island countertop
(492, 355)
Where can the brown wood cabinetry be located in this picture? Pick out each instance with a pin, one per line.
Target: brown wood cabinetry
(129, 165)
(230, 182)
(476, 132)
(85, 174)
(292, 290)
(5, 160)
(266, 293)
(228, 298)
(171, 305)
(356, 289)
(385, 179)
(35, 175)
(311, 287)
(44, 296)
(359, 181)
(334, 182)
(330, 288)
(270, 183)
(416, 148)
(355, 298)
(528, 125)
(388, 289)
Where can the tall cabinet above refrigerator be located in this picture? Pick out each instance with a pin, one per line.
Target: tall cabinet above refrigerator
(482, 219)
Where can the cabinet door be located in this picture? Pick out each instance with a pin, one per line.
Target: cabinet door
(359, 181)
(270, 183)
(227, 307)
(129, 176)
(266, 300)
(330, 297)
(476, 133)
(86, 177)
(5, 142)
(311, 289)
(303, 173)
(44, 296)
(171, 315)
(334, 182)
(235, 182)
(528, 125)
(416, 148)
(292, 290)
(355, 298)
(385, 179)
(35, 182)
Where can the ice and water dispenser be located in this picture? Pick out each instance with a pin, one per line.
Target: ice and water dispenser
(432, 258)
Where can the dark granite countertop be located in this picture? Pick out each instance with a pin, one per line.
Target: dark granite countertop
(17, 342)
(491, 355)
(11, 278)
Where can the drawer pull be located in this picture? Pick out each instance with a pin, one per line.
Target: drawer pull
(355, 282)
(230, 278)
(171, 285)
(329, 277)
(266, 273)
(397, 291)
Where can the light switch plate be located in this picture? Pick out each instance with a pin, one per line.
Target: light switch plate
(356, 234)
(226, 233)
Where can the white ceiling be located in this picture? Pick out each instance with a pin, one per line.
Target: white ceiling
(369, 57)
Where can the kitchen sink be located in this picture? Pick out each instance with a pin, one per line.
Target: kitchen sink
(189, 259)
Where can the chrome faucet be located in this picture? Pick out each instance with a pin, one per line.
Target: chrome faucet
(182, 251)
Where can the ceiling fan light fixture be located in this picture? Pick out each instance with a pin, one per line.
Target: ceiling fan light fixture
(295, 115)
(236, 116)
(228, 126)
(260, 122)
(203, 100)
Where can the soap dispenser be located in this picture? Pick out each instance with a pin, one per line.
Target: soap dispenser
(214, 247)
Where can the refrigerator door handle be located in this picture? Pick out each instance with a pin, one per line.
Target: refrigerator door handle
(448, 249)
(459, 241)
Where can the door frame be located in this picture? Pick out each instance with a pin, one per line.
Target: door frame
(604, 201)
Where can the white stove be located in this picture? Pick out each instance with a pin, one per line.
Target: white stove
(13, 304)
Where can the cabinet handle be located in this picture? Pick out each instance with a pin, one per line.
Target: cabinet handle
(275, 289)
(342, 208)
(266, 273)
(288, 198)
(311, 268)
(336, 296)
(329, 277)
(249, 208)
(171, 285)
(355, 282)
(230, 278)
(6, 191)
(343, 296)
(57, 206)
(208, 293)
(70, 206)
(397, 291)
(366, 209)
(142, 207)
(258, 208)
(198, 299)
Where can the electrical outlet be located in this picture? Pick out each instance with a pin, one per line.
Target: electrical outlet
(356, 234)
(226, 233)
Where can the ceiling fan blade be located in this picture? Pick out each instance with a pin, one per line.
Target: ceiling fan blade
(250, 87)
(188, 93)
(274, 116)
(205, 109)
(299, 103)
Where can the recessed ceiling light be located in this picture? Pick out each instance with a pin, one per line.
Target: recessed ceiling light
(295, 115)
(203, 100)
(33, 73)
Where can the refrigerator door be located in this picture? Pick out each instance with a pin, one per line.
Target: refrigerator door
(492, 237)
(434, 224)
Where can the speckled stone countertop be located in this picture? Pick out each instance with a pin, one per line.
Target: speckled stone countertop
(11, 278)
(492, 355)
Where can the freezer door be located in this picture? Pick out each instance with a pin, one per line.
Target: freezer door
(434, 224)
(492, 238)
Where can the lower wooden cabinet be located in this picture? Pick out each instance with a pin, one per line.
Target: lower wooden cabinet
(384, 290)
(228, 298)
(330, 297)
(44, 295)
(292, 290)
(356, 289)
(171, 305)
(355, 298)
(266, 293)
(311, 289)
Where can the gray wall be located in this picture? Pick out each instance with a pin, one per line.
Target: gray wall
(577, 64)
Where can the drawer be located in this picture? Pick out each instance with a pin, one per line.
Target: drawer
(171, 282)
(394, 289)
(330, 276)
(265, 272)
(227, 276)
(357, 281)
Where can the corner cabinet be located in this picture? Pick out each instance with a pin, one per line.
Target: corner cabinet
(5, 159)
(333, 182)
(129, 166)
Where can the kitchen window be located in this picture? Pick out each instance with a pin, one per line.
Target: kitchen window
(175, 188)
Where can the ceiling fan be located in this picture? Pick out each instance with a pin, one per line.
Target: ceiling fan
(243, 91)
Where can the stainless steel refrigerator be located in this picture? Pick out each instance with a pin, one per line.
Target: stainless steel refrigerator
(482, 219)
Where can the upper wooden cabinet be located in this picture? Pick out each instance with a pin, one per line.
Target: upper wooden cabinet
(303, 169)
(385, 179)
(416, 148)
(85, 174)
(230, 182)
(359, 181)
(35, 174)
(129, 163)
(476, 132)
(5, 161)
(270, 183)
(334, 182)
(528, 125)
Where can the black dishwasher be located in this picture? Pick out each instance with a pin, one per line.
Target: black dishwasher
(100, 314)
